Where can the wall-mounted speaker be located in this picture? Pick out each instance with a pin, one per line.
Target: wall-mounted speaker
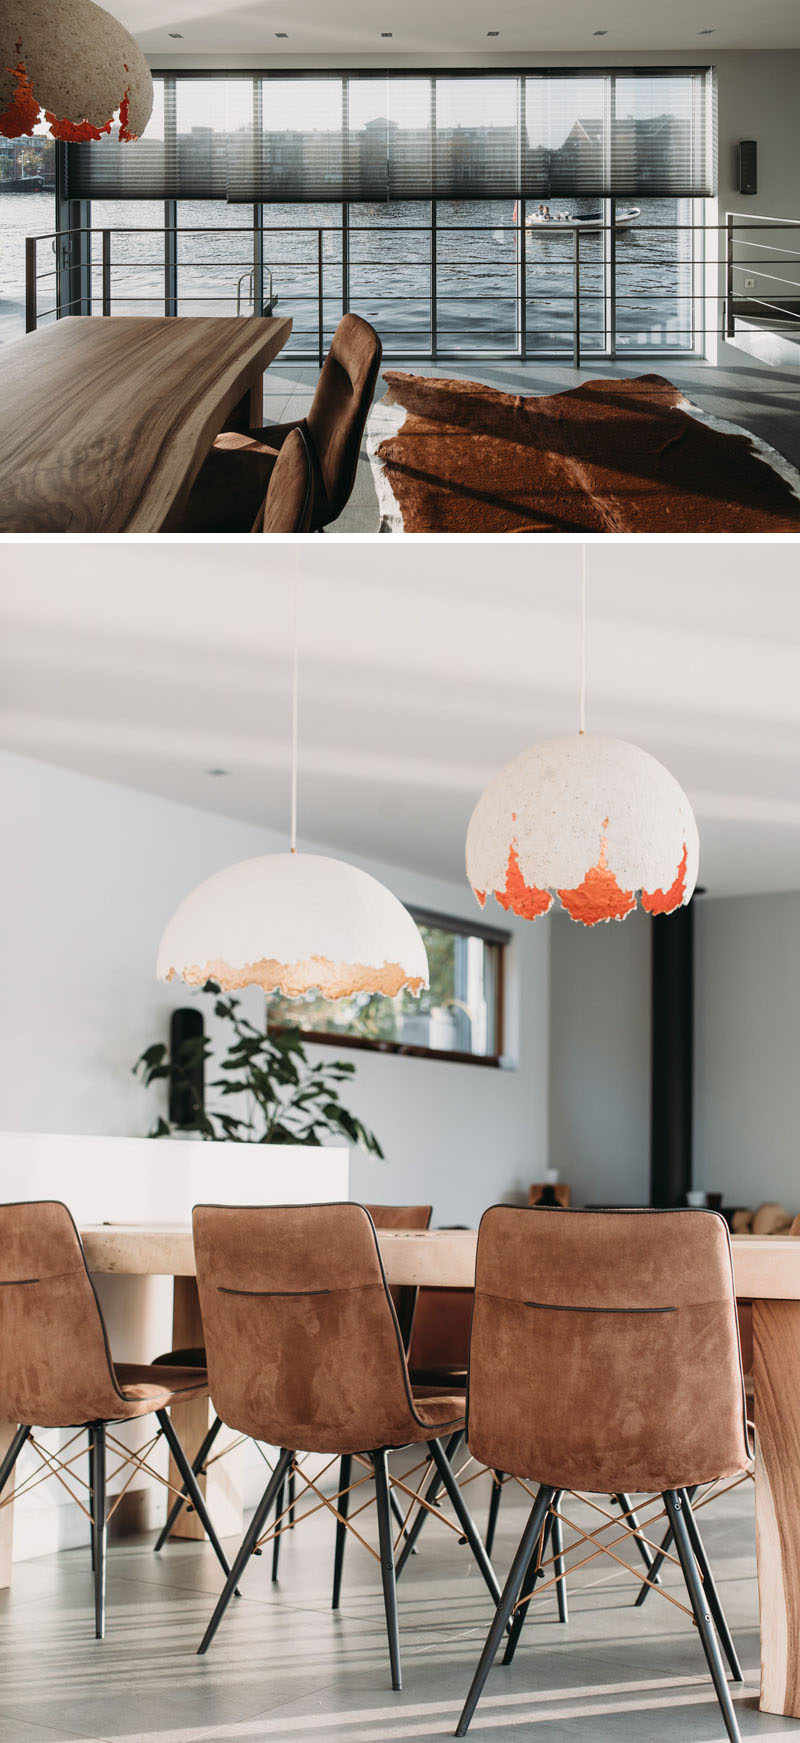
(748, 167)
(187, 1095)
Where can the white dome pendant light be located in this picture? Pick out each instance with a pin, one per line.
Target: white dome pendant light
(595, 821)
(296, 923)
(73, 66)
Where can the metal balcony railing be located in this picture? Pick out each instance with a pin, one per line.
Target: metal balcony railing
(502, 280)
(755, 290)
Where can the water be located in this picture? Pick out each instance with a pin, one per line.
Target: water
(391, 275)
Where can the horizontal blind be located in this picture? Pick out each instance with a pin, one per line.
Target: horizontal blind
(405, 136)
(651, 134)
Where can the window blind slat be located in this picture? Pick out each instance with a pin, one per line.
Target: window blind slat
(448, 136)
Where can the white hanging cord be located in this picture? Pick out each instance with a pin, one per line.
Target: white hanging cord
(582, 702)
(295, 665)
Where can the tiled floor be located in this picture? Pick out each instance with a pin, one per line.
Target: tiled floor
(761, 399)
(285, 1669)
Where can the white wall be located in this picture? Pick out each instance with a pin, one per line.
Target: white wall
(747, 1045)
(600, 1059)
(90, 874)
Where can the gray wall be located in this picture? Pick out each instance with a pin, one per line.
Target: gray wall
(600, 1059)
(747, 1029)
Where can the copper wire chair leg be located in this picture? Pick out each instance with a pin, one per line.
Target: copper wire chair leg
(676, 1508)
(529, 1538)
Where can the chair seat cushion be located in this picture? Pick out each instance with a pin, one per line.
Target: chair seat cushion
(228, 493)
(146, 1387)
(438, 1409)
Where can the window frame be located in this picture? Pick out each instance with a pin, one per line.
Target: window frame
(493, 935)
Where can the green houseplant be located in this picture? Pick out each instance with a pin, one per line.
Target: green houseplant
(283, 1097)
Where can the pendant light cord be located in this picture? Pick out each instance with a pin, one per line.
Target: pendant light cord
(295, 675)
(582, 655)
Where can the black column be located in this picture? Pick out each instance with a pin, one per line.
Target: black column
(672, 1057)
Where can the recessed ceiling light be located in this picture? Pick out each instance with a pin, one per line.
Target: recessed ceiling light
(177, 35)
(218, 771)
(492, 33)
(599, 33)
(386, 33)
(284, 34)
(707, 32)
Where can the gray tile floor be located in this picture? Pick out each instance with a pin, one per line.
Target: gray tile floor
(764, 400)
(283, 1668)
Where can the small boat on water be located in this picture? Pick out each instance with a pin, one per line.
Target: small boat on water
(22, 185)
(582, 220)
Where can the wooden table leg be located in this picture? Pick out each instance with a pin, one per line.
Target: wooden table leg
(191, 1421)
(7, 1433)
(776, 1379)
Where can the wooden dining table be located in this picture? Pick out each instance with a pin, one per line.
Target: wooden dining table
(766, 1272)
(105, 422)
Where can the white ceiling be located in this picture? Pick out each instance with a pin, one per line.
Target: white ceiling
(227, 28)
(424, 667)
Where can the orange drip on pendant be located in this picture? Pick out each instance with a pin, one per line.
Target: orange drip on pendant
(599, 897)
(22, 114)
(665, 901)
(526, 901)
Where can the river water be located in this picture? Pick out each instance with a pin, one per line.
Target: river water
(390, 272)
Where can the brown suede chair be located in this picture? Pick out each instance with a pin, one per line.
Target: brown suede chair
(384, 1216)
(644, 1299)
(230, 486)
(304, 1351)
(56, 1369)
(289, 502)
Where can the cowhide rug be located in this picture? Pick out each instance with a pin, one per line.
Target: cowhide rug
(605, 457)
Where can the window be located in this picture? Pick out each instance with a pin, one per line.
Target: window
(460, 1016)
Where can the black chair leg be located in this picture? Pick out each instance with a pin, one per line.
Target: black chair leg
(345, 1469)
(387, 1563)
(632, 1519)
(498, 1478)
(97, 1440)
(533, 1572)
(710, 1589)
(559, 1564)
(197, 1466)
(676, 1509)
(464, 1517)
(291, 1498)
(91, 1493)
(276, 1541)
(192, 1487)
(12, 1455)
(654, 1576)
(247, 1546)
(409, 1547)
(530, 1537)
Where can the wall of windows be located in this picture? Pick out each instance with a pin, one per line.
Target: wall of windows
(447, 209)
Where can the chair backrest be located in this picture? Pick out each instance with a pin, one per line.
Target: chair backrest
(604, 1351)
(404, 1295)
(289, 501)
(440, 1335)
(340, 409)
(302, 1343)
(55, 1365)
